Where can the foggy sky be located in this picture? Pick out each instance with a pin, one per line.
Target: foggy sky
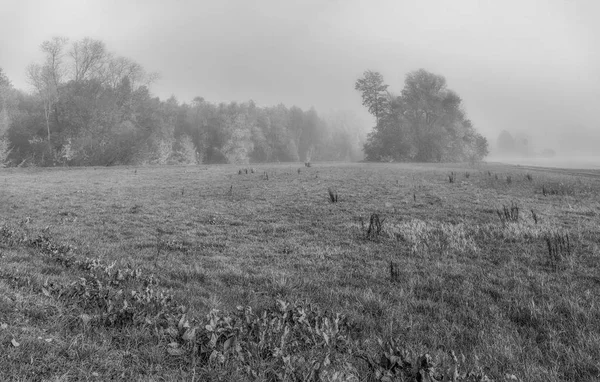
(523, 65)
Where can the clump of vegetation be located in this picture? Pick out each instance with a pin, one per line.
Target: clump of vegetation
(509, 213)
(534, 216)
(266, 176)
(529, 177)
(384, 145)
(558, 188)
(559, 248)
(425, 237)
(467, 175)
(509, 179)
(397, 364)
(452, 177)
(394, 272)
(307, 164)
(333, 195)
(136, 208)
(287, 341)
(375, 228)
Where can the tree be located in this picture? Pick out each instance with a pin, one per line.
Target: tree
(187, 151)
(5, 94)
(238, 147)
(506, 143)
(374, 93)
(46, 78)
(481, 147)
(89, 57)
(425, 123)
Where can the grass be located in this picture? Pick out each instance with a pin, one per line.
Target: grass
(146, 273)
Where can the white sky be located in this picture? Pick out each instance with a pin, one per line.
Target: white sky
(527, 65)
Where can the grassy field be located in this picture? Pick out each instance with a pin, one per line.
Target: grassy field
(201, 273)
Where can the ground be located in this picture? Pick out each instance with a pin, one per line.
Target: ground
(498, 264)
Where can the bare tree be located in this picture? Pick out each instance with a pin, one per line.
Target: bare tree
(55, 52)
(46, 78)
(39, 78)
(89, 58)
(121, 67)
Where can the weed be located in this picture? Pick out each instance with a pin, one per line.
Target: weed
(509, 179)
(333, 195)
(395, 363)
(307, 164)
(452, 177)
(298, 171)
(265, 176)
(534, 216)
(558, 188)
(394, 272)
(559, 248)
(509, 213)
(432, 236)
(467, 175)
(529, 177)
(159, 245)
(375, 227)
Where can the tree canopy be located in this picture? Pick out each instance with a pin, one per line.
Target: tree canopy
(90, 107)
(426, 122)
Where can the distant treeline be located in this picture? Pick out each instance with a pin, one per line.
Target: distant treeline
(90, 108)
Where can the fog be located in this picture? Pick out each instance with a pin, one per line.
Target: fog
(528, 67)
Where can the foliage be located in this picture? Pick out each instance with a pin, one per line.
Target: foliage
(425, 123)
(4, 151)
(374, 93)
(286, 341)
(90, 107)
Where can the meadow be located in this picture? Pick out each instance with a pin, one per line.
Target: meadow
(338, 272)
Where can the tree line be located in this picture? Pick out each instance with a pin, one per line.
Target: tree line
(89, 107)
(425, 123)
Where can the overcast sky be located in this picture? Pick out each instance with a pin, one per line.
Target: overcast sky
(522, 65)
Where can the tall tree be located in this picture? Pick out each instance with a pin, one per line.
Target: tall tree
(47, 78)
(425, 123)
(5, 90)
(374, 93)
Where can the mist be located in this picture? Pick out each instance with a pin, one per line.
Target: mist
(531, 68)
